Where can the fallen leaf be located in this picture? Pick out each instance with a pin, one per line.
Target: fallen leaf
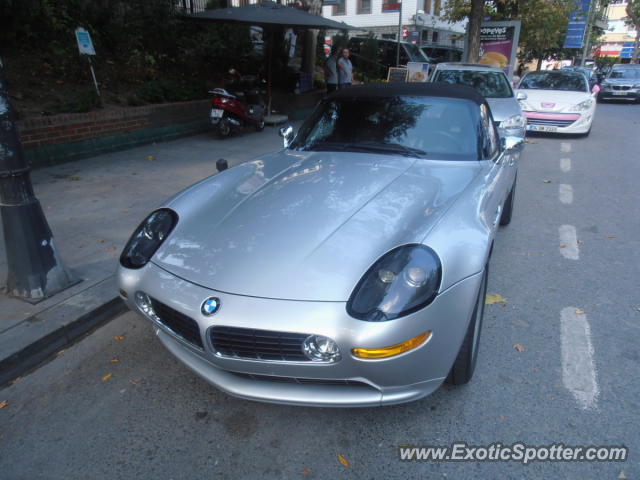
(60, 352)
(111, 249)
(201, 415)
(114, 360)
(580, 242)
(579, 312)
(306, 471)
(149, 158)
(518, 347)
(15, 380)
(126, 210)
(3, 404)
(73, 179)
(611, 236)
(119, 337)
(101, 240)
(529, 254)
(546, 180)
(622, 476)
(133, 382)
(493, 298)
(107, 377)
(343, 461)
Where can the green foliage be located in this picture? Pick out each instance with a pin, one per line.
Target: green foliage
(370, 53)
(80, 101)
(340, 41)
(158, 91)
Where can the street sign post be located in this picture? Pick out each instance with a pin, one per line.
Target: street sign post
(85, 46)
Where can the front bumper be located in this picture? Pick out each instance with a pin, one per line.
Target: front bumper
(552, 122)
(632, 94)
(399, 379)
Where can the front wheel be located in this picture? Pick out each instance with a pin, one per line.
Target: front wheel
(224, 127)
(507, 209)
(465, 363)
(260, 125)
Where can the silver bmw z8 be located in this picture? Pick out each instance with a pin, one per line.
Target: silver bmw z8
(349, 268)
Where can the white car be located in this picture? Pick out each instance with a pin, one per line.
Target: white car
(557, 101)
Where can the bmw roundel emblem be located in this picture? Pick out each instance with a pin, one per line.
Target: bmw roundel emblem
(210, 306)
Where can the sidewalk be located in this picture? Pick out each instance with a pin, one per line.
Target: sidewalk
(92, 207)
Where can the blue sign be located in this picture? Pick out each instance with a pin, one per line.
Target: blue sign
(627, 50)
(577, 25)
(85, 45)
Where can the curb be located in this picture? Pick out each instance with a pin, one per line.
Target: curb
(36, 339)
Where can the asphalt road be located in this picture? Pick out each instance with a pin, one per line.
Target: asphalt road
(572, 246)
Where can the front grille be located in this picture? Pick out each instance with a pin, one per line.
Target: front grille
(622, 87)
(258, 344)
(551, 123)
(180, 324)
(301, 381)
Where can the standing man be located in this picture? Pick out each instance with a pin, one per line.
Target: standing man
(331, 70)
(345, 69)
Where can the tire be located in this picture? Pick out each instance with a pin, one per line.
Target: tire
(465, 363)
(260, 125)
(507, 208)
(599, 99)
(224, 128)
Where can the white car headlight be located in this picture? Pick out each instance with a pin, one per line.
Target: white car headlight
(514, 121)
(582, 106)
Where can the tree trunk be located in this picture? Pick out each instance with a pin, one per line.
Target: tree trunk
(475, 19)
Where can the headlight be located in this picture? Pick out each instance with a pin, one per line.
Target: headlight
(637, 85)
(582, 106)
(401, 282)
(147, 238)
(514, 121)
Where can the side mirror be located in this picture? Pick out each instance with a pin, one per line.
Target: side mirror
(287, 135)
(521, 96)
(511, 144)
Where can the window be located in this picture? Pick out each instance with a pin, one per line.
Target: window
(390, 5)
(490, 137)
(340, 8)
(426, 6)
(434, 37)
(364, 6)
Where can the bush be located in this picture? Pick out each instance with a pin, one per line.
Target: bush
(81, 101)
(158, 91)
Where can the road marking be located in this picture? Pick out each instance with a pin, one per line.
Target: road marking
(565, 164)
(578, 368)
(565, 147)
(569, 242)
(566, 193)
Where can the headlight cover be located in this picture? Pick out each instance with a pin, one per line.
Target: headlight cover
(401, 282)
(147, 238)
(582, 106)
(514, 121)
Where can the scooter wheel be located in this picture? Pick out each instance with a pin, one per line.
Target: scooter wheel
(224, 128)
(260, 125)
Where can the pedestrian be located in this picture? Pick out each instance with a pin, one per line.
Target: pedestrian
(330, 70)
(345, 69)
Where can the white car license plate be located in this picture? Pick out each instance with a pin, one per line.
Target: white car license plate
(216, 113)
(541, 128)
(618, 93)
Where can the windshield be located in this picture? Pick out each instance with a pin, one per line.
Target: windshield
(488, 84)
(555, 80)
(423, 127)
(416, 54)
(627, 73)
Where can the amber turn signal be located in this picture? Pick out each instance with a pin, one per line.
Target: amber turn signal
(393, 350)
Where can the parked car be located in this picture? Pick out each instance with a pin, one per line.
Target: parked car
(589, 73)
(491, 83)
(621, 83)
(442, 53)
(387, 53)
(557, 101)
(348, 269)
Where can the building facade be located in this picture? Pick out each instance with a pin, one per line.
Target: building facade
(422, 20)
(619, 37)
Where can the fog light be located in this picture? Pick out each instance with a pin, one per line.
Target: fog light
(393, 350)
(321, 349)
(144, 303)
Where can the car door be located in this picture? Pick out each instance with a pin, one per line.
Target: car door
(500, 168)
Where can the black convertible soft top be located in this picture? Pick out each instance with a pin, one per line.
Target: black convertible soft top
(429, 89)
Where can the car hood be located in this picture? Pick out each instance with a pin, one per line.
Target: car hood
(621, 81)
(306, 225)
(551, 100)
(503, 108)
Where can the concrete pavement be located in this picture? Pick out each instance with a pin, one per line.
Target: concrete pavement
(92, 206)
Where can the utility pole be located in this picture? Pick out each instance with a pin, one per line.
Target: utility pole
(399, 35)
(35, 270)
(587, 33)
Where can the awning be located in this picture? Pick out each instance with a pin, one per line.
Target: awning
(270, 13)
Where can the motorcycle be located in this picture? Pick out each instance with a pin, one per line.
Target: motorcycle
(231, 112)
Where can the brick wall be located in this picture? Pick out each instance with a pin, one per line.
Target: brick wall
(62, 138)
